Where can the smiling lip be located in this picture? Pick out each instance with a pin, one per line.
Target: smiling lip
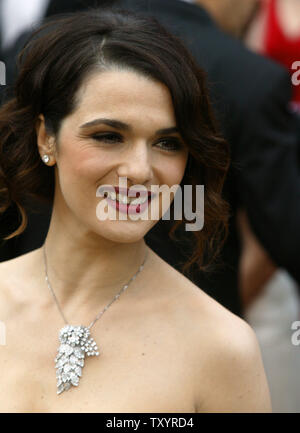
(129, 208)
(134, 193)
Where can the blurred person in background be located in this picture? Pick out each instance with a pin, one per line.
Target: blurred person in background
(232, 16)
(272, 28)
(275, 32)
(270, 297)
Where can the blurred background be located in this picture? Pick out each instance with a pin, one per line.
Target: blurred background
(261, 284)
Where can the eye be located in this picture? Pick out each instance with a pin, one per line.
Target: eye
(170, 144)
(107, 137)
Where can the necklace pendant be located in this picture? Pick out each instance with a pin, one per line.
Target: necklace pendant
(76, 343)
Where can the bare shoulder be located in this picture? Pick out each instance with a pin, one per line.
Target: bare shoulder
(197, 306)
(15, 267)
(14, 276)
(201, 313)
(225, 354)
(232, 378)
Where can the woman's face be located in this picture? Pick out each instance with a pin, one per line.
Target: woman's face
(129, 143)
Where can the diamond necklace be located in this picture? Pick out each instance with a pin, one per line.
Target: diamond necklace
(75, 341)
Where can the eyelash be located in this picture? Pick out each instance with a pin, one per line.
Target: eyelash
(174, 143)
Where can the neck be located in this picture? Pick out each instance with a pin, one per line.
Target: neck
(85, 269)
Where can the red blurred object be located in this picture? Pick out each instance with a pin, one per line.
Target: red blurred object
(279, 46)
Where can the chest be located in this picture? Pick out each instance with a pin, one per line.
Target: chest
(141, 368)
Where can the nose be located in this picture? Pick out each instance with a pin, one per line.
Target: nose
(136, 164)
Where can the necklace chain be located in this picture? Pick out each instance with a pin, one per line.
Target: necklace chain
(106, 307)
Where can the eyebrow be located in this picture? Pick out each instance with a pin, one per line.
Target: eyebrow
(117, 124)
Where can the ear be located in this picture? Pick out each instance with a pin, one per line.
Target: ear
(46, 143)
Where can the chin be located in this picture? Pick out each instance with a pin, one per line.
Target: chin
(123, 232)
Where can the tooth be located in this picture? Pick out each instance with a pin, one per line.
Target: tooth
(139, 200)
(110, 195)
(122, 198)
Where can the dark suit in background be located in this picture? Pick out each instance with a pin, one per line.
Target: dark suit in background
(250, 95)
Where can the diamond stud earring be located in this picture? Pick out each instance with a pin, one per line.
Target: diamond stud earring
(46, 158)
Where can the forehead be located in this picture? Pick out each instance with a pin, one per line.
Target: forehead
(125, 94)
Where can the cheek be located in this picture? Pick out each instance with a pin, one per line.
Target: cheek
(173, 170)
(84, 165)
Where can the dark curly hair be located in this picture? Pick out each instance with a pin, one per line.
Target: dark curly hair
(55, 61)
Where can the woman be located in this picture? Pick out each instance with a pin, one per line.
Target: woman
(103, 96)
